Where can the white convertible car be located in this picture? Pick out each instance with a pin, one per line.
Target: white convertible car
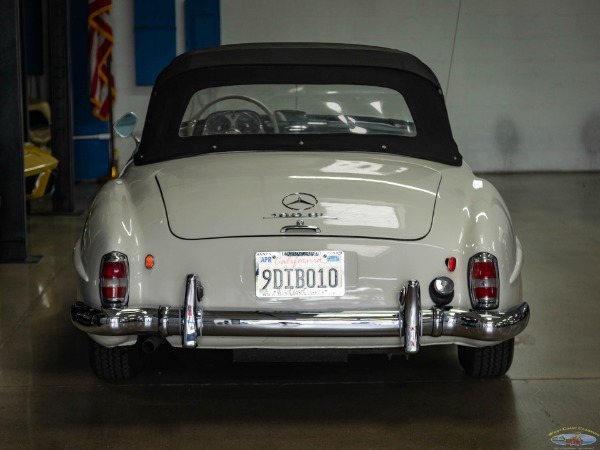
(294, 197)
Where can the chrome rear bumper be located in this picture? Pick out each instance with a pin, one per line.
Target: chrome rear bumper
(408, 323)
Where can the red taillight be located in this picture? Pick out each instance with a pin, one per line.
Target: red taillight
(484, 281)
(485, 293)
(114, 280)
(483, 269)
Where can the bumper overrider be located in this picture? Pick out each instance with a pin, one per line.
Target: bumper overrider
(410, 322)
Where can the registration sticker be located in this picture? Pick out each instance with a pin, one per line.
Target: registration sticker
(300, 274)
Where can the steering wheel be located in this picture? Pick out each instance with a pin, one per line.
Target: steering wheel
(267, 111)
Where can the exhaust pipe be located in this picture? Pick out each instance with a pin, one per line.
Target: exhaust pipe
(151, 343)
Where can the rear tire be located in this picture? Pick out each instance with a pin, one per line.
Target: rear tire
(115, 363)
(492, 361)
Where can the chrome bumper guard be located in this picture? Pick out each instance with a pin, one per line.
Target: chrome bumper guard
(408, 323)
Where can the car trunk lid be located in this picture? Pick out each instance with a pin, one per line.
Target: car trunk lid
(274, 193)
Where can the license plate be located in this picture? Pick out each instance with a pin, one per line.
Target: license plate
(300, 274)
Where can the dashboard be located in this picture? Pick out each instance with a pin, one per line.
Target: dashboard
(233, 122)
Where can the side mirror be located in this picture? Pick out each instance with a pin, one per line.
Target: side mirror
(125, 125)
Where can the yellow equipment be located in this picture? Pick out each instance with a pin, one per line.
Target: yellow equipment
(39, 164)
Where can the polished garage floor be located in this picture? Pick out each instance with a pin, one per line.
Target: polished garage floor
(50, 399)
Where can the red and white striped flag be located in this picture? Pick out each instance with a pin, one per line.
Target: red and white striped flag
(100, 44)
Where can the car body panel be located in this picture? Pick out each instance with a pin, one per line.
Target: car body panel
(209, 197)
(469, 218)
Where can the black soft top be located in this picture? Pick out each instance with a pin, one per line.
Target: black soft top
(283, 63)
(309, 54)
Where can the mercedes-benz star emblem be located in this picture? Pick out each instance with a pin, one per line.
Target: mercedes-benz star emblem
(299, 201)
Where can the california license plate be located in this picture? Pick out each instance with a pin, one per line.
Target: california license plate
(300, 274)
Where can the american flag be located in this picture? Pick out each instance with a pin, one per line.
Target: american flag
(100, 44)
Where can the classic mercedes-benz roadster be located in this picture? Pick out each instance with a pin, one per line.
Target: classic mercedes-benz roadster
(294, 197)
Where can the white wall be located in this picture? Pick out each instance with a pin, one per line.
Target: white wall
(521, 77)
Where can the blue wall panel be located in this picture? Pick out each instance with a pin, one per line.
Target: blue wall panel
(202, 24)
(155, 40)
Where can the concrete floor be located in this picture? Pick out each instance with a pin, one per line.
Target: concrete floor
(50, 399)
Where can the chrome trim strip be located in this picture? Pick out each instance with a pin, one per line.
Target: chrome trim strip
(412, 317)
(343, 323)
(300, 227)
(437, 321)
(189, 331)
(409, 322)
(481, 326)
(165, 321)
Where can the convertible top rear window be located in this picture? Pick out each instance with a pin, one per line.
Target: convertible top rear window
(297, 109)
